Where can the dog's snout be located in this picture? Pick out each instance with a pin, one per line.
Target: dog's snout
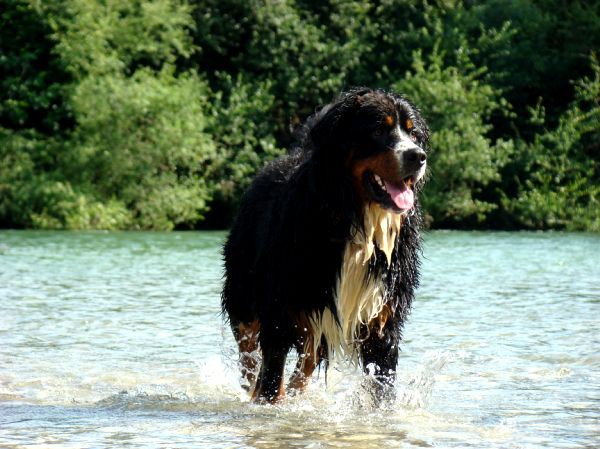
(415, 158)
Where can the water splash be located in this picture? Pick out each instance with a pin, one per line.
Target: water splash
(417, 392)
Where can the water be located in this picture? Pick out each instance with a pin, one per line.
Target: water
(115, 340)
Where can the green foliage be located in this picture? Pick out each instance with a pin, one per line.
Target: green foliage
(32, 79)
(242, 128)
(306, 61)
(142, 139)
(562, 189)
(463, 159)
(270, 65)
(17, 175)
(101, 37)
(303, 57)
(34, 192)
(140, 130)
(155, 114)
(138, 154)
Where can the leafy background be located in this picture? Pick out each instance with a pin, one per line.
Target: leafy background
(156, 114)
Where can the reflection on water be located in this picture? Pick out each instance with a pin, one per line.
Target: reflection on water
(115, 340)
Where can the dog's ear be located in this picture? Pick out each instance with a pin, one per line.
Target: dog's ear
(327, 130)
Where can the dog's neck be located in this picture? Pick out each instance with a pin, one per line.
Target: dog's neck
(380, 229)
(360, 295)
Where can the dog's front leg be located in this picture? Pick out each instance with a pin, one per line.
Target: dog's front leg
(269, 386)
(379, 356)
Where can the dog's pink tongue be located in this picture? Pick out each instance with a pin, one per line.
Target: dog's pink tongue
(403, 196)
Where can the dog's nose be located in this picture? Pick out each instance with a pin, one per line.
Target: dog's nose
(415, 158)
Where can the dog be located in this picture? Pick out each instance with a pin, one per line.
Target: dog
(323, 255)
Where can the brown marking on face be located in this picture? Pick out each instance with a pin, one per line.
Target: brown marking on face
(389, 120)
(383, 164)
(409, 124)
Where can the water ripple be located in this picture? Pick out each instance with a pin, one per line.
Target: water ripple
(115, 340)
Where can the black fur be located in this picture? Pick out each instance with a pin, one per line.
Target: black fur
(284, 251)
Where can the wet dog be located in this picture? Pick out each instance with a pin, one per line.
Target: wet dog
(323, 256)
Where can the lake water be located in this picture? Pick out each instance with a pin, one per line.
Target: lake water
(115, 340)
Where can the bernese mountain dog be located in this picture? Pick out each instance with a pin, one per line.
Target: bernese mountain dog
(324, 254)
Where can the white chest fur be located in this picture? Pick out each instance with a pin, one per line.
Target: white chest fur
(360, 297)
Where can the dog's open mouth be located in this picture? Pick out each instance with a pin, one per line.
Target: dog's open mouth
(398, 196)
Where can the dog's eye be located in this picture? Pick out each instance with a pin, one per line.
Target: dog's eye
(378, 132)
(414, 135)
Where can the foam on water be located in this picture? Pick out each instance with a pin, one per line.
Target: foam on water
(209, 396)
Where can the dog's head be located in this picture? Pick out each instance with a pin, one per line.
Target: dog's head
(380, 139)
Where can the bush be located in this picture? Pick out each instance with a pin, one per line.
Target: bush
(562, 187)
(98, 37)
(242, 127)
(142, 139)
(303, 56)
(33, 194)
(156, 114)
(463, 160)
(33, 78)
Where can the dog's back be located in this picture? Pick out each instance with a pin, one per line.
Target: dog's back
(274, 255)
(251, 240)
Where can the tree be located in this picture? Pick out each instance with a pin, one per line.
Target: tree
(463, 159)
(562, 186)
